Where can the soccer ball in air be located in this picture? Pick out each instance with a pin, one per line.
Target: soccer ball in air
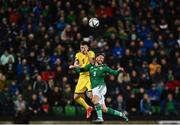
(94, 22)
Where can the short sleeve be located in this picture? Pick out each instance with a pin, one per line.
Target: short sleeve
(92, 54)
(111, 71)
(77, 56)
(85, 69)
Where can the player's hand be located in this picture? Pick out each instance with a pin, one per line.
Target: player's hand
(121, 69)
(76, 65)
(71, 67)
(86, 50)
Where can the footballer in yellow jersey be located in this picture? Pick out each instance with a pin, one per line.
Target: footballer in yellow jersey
(83, 82)
(83, 58)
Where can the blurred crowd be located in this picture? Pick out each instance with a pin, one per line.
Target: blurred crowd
(39, 39)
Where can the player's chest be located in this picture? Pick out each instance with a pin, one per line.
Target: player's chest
(83, 59)
(96, 71)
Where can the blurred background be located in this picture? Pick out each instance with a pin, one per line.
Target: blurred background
(38, 41)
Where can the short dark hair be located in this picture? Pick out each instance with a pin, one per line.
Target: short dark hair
(100, 53)
(85, 43)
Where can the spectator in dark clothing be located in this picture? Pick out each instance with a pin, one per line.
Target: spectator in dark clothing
(59, 73)
(56, 100)
(43, 60)
(23, 68)
(109, 101)
(118, 50)
(126, 58)
(148, 42)
(154, 95)
(145, 105)
(8, 106)
(177, 98)
(10, 69)
(177, 69)
(144, 75)
(27, 93)
(120, 103)
(133, 104)
(34, 105)
(139, 58)
(67, 94)
(60, 25)
(134, 81)
(40, 85)
(84, 28)
(13, 88)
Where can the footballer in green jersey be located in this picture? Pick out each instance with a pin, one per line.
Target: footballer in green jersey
(98, 71)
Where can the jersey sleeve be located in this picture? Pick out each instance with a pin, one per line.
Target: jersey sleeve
(85, 69)
(92, 54)
(111, 71)
(77, 57)
(77, 70)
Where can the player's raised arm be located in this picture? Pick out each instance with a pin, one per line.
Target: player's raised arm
(90, 56)
(86, 68)
(76, 61)
(91, 60)
(78, 69)
(121, 69)
(113, 72)
(73, 66)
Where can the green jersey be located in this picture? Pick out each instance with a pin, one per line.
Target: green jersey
(97, 73)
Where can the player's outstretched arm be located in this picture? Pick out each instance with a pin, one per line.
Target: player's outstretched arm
(114, 72)
(121, 69)
(90, 55)
(76, 62)
(91, 60)
(75, 67)
(72, 67)
(86, 68)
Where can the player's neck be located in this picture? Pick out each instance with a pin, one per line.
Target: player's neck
(84, 53)
(97, 64)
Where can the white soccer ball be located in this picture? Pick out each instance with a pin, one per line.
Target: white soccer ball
(94, 22)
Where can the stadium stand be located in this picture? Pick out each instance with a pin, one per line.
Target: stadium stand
(39, 38)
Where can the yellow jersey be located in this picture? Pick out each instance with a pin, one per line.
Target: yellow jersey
(83, 60)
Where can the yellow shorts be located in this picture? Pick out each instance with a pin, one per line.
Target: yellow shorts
(83, 84)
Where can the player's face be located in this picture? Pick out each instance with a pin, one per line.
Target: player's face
(84, 48)
(100, 59)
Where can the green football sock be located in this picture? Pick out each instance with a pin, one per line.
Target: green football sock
(98, 111)
(114, 112)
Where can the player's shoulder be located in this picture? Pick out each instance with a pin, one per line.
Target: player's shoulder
(78, 53)
(104, 65)
(91, 52)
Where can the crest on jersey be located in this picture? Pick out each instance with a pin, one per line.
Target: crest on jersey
(101, 68)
